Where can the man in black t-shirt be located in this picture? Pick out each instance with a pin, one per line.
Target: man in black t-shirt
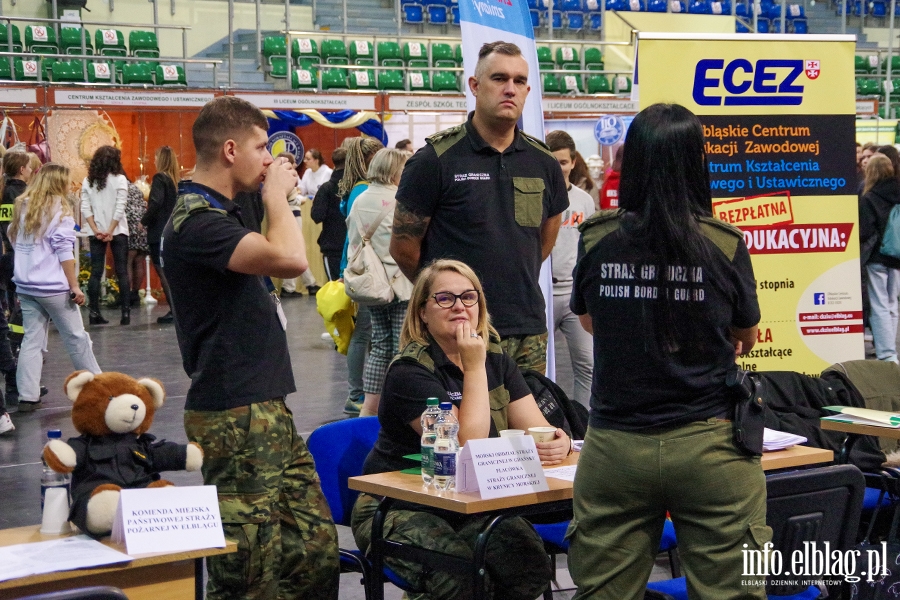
(489, 195)
(231, 332)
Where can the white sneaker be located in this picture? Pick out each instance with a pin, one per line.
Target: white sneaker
(326, 336)
(6, 424)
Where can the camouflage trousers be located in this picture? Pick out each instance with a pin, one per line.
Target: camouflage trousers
(518, 567)
(271, 503)
(528, 351)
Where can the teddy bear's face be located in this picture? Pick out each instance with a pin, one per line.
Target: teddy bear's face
(112, 402)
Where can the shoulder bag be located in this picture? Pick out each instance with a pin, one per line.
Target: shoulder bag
(365, 278)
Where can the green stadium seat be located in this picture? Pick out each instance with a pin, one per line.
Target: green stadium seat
(361, 53)
(334, 78)
(110, 42)
(16, 36)
(868, 87)
(567, 58)
(41, 39)
(278, 67)
(389, 54)
(442, 55)
(26, 70)
(545, 58)
(304, 79)
(570, 83)
(419, 81)
(361, 80)
(621, 84)
(101, 72)
(551, 84)
(304, 49)
(143, 43)
(457, 52)
(415, 54)
(390, 80)
(170, 75)
(860, 64)
(5, 69)
(593, 59)
(137, 73)
(67, 70)
(444, 81)
(273, 45)
(334, 52)
(895, 64)
(598, 84)
(70, 41)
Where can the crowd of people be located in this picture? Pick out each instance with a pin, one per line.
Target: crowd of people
(461, 227)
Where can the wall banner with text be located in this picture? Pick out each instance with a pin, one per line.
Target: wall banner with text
(778, 114)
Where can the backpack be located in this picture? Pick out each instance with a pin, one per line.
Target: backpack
(365, 278)
(559, 411)
(890, 241)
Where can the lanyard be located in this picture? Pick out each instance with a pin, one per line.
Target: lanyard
(192, 188)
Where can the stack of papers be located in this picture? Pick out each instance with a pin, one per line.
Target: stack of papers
(779, 440)
(864, 416)
(77, 552)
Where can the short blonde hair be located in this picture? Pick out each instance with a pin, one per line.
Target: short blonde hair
(386, 165)
(414, 328)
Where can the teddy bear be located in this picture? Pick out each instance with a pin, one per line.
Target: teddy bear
(113, 412)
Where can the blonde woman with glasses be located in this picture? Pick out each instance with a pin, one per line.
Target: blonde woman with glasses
(42, 232)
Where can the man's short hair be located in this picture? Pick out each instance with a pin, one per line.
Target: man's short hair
(560, 140)
(402, 144)
(224, 118)
(505, 48)
(289, 156)
(338, 157)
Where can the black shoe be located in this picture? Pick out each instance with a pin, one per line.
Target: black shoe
(313, 290)
(126, 316)
(135, 298)
(44, 391)
(95, 318)
(166, 318)
(25, 407)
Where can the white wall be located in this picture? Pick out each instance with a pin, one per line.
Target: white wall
(208, 19)
(417, 126)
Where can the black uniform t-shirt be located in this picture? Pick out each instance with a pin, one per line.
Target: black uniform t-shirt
(486, 209)
(232, 344)
(408, 385)
(635, 384)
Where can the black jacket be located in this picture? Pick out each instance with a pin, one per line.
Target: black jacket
(326, 210)
(874, 208)
(159, 206)
(13, 189)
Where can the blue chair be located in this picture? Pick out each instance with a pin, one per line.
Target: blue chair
(534, 5)
(535, 18)
(762, 25)
(557, 18)
(620, 5)
(800, 26)
(814, 505)
(413, 14)
(454, 14)
(574, 21)
(699, 7)
(437, 14)
(595, 21)
(657, 6)
(339, 450)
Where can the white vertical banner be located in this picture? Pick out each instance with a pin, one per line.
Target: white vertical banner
(485, 21)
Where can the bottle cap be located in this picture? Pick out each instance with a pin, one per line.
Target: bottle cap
(54, 434)
(446, 406)
(432, 402)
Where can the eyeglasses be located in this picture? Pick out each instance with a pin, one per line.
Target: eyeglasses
(448, 299)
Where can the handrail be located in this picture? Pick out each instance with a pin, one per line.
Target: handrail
(143, 26)
(457, 39)
(634, 30)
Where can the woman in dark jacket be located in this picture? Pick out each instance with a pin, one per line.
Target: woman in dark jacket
(163, 193)
(881, 193)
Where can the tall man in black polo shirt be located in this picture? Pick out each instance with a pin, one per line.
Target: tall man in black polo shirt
(231, 332)
(491, 196)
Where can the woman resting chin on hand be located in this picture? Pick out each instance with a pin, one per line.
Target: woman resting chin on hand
(449, 351)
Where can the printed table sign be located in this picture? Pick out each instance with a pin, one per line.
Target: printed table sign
(499, 467)
(169, 519)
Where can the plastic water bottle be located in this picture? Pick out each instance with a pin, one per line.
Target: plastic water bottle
(428, 434)
(49, 477)
(446, 445)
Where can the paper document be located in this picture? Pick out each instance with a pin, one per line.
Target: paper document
(77, 552)
(779, 440)
(864, 416)
(566, 473)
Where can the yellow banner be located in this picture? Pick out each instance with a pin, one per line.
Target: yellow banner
(778, 114)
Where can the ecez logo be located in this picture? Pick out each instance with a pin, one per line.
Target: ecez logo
(773, 82)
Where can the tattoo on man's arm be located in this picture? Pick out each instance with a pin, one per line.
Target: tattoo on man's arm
(408, 224)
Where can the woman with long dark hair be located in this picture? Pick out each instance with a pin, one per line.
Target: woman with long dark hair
(104, 195)
(163, 193)
(669, 295)
(43, 231)
(881, 192)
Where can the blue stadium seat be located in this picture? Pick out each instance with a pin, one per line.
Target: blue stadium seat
(657, 6)
(762, 25)
(437, 14)
(720, 8)
(800, 26)
(413, 13)
(574, 21)
(700, 7)
(620, 5)
(595, 21)
(454, 14)
(557, 18)
(535, 18)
